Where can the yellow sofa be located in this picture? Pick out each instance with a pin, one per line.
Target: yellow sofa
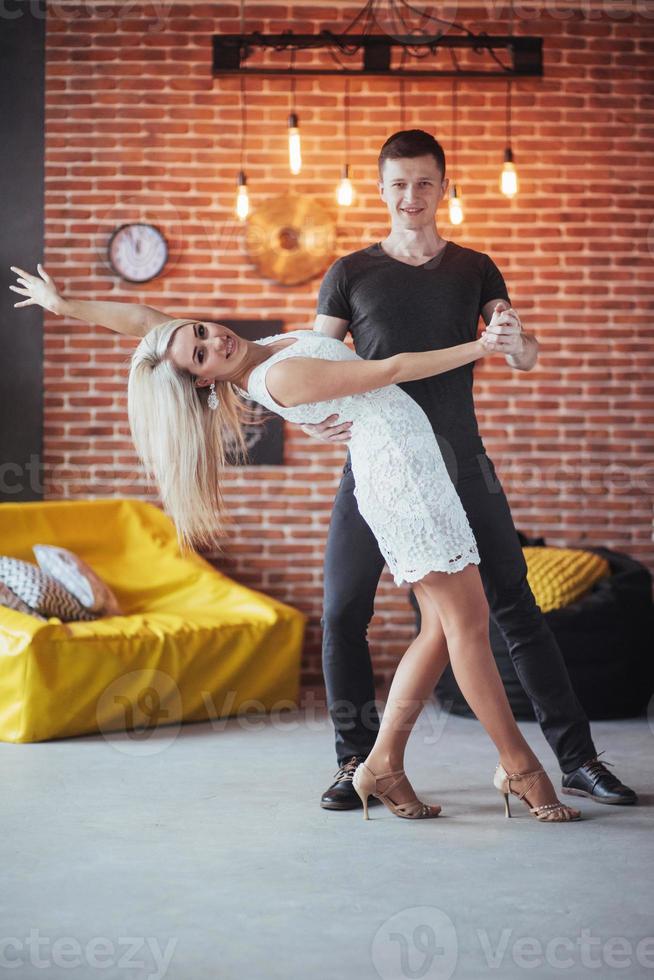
(193, 645)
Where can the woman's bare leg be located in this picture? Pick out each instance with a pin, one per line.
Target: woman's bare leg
(463, 609)
(454, 607)
(413, 685)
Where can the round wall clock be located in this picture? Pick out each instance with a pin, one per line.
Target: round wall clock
(138, 252)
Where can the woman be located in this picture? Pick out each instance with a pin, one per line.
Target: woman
(185, 383)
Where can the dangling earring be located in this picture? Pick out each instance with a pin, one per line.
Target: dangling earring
(212, 400)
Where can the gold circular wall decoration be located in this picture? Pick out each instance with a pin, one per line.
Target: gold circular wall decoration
(291, 238)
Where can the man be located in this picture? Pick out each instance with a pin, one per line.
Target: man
(417, 291)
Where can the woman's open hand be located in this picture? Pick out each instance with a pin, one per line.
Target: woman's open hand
(40, 291)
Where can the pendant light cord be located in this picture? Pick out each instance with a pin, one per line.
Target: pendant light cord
(292, 80)
(455, 112)
(347, 120)
(244, 114)
(244, 122)
(508, 82)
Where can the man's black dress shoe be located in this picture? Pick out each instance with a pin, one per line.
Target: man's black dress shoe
(595, 781)
(342, 795)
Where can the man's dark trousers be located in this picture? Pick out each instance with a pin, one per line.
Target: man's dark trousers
(353, 566)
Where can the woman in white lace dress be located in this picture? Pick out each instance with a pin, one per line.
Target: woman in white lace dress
(185, 391)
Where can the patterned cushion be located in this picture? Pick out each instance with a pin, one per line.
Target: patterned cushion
(78, 578)
(40, 591)
(11, 601)
(559, 576)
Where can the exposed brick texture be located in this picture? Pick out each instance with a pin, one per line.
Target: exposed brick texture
(137, 129)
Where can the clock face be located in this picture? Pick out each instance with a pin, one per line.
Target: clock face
(137, 252)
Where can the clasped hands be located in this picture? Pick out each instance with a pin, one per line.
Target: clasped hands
(503, 335)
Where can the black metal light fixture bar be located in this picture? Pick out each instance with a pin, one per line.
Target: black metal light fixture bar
(525, 54)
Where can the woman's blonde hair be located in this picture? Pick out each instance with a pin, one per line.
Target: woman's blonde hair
(182, 443)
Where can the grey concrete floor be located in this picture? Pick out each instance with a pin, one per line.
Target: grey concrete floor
(201, 852)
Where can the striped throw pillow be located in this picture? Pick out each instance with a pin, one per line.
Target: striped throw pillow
(10, 600)
(78, 578)
(40, 591)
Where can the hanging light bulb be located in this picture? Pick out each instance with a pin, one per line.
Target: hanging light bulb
(294, 148)
(242, 199)
(345, 191)
(455, 206)
(509, 176)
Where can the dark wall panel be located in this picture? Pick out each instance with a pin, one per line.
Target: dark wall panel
(22, 142)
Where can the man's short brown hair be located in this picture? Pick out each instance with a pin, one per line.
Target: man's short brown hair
(411, 143)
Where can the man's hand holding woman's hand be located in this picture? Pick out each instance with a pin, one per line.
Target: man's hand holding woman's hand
(503, 335)
(39, 291)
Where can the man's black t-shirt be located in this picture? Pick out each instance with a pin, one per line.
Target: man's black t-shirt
(393, 307)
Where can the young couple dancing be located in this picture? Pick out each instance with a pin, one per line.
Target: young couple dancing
(403, 403)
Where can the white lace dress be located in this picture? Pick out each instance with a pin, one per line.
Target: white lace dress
(402, 488)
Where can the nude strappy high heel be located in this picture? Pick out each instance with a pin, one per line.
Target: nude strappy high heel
(549, 812)
(365, 783)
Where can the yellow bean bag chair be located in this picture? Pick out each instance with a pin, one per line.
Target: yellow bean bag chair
(192, 644)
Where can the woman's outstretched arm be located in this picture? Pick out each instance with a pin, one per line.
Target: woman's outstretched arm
(299, 380)
(131, 319)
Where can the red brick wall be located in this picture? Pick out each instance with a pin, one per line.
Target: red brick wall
(137, 129)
